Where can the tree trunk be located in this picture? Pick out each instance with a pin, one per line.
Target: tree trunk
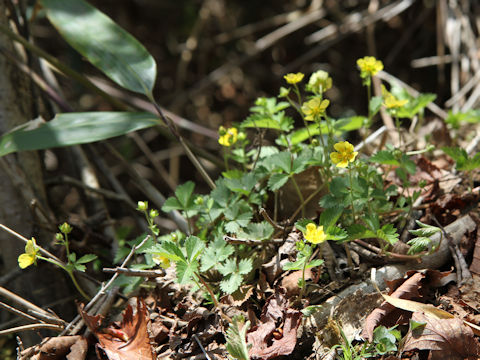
(21, 182)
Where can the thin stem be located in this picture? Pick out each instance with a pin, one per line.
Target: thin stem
(190, 155)
(299, 193)
(351, 193)
(214, 299)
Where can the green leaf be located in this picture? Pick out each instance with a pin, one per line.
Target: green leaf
(471, 116)
(424, 230)
(194, 247)
(217, 251)
(186, 271)
(310, 310)
(171, 204)
(384, 157)
(301, 224)
(314, 263)
(229, 267)
(330, 216)
(375, 105)
(296, 265)
(184, 194)
(257, 231)
(388, 233)
(236, 339)
(86, 258)
(231, 283)
(168, 249)
(349, 124)
(105, 44)
(73, 129)
(245, 266)
(243, 185)
(276, 181)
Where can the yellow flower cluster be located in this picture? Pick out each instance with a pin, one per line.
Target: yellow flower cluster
(30, 255)
(390, 101)
(315, 108)
(315, 234)
(228, 137)
(344, 154)
(369, 66)
(293, 79)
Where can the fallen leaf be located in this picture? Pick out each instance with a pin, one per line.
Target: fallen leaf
(276, 335)
(130, 341)
(61, 347)
(447, 338)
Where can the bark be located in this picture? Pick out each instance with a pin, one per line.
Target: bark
(20, 184)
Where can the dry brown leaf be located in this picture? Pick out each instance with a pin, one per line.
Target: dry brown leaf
(447, 338)
(130, 341)
(277, 333)
(61, 347)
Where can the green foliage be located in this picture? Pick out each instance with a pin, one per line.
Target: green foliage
(422, 240)
(233, 274)
(456, 119)
(73, 129)
(463, 161)
(102, 42)
(236, 339)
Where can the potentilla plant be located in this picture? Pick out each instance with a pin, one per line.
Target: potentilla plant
(32, 254)
(256, 172)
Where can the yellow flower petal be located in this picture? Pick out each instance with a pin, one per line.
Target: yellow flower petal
(293, 78)
(25, 260)
(228, 137)
(345, 153)
(315, 234)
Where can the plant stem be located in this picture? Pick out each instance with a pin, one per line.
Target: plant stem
(174, 131)
(212, 295)
(299, 193)
(351, 193)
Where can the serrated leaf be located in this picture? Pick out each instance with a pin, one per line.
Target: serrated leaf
(217, 251)
(336, 234)
(245, 266)
(73, 129)
(87, 258)
(243, 185)
(194, 247)
(384, 157)
(282, 160)
(301, 224)
(105, 44)
(231, 283)
(257, 231)
(236, 339)
(276, 181)
(295, 265)
(424, 230)
(330, 216)
(388, 233)
(171, 204)
(168, 249)
(229, 267)
(184, 194)
(185, 271)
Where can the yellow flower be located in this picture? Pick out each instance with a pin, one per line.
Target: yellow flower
(345, 154)
(228, 137)
(314, 108)
(369, 66)
(315, 234)
(30, 255)
(319, 82)
(292, 78)
(161, 260)
(390, 101)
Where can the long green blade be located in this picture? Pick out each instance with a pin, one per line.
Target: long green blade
(72, 129)
(105, 44)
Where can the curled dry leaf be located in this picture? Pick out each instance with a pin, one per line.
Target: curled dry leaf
(130, 341)
(447, 338)
(415, 287)
(61, 347)
(277, 333)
